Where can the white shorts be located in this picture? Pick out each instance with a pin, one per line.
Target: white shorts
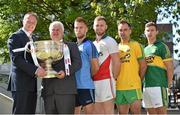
(154, 97)
(104, 90)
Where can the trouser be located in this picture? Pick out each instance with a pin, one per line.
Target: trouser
(24, 102)
(59, 104)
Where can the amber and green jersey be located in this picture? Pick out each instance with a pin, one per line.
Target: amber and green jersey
(155, 55)
(129, 54)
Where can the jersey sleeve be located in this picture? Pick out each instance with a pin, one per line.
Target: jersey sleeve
(112, 46)
(92, 51)
(139, 51)
(165, 52)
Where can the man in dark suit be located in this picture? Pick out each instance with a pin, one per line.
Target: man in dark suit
(59, 93)
(22, 80)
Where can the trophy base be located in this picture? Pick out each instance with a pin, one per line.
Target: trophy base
(51, 74)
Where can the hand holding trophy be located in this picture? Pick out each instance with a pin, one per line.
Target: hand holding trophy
(48, 51)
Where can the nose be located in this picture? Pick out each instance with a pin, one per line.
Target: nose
(78, 29)
(121, 32)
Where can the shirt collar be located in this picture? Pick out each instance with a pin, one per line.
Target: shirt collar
(157, 41)
(27, 33)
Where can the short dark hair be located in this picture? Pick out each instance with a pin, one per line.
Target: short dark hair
(81, 19)
(124, 22)
(151, 24)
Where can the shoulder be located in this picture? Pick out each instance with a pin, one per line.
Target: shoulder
(164, 48)
(70, 44)
(110, 40)
(161, 44)
(16, 35)
(136, 44)
(88, 43)
(19, 32)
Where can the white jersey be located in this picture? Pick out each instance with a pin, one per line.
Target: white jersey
(103, 79)
(105, 47)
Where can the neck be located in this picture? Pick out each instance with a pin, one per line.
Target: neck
(99, 37)
(151, 41)
(57, 40)
(28, 33)
(125, 41)
(79, 41)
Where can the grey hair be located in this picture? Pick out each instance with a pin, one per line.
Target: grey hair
(60, 24)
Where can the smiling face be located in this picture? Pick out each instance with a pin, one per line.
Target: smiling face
(56, 31)
(29, 23)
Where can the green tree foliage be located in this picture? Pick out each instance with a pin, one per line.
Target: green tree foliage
(137, 12)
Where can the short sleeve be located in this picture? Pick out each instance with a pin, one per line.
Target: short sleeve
(139, 51)
(92, 51)
(165, 52)
(112, 46)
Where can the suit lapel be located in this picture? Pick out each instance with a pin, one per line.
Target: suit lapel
(24, 36)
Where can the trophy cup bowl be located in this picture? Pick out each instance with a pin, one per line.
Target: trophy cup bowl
(48, 51)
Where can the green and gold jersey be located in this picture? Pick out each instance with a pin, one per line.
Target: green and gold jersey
(129, 55)
(155, 55)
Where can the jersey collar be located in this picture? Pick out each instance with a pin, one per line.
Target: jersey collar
(104, 36)
(82, 41)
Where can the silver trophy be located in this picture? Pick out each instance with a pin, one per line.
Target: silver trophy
(48, 51)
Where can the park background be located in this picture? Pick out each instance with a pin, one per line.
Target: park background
(138, 12)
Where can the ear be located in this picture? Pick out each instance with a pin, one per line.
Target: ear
(130, 31)
(106, 26)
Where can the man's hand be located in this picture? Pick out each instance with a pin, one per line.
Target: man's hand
(40, 72)
(61, 74)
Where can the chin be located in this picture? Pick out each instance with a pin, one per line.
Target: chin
(100, 34)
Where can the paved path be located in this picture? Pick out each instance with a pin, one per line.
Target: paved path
(5, 104)
(5, 99)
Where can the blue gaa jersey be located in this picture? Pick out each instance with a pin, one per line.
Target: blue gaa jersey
(83, 77)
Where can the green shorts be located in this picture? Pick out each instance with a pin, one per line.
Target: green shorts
(128, 96)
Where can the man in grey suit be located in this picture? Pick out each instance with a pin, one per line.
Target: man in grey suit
(59, 93)
(22, 79)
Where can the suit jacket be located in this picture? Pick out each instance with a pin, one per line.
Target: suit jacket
(66, 85)
(22, 73)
